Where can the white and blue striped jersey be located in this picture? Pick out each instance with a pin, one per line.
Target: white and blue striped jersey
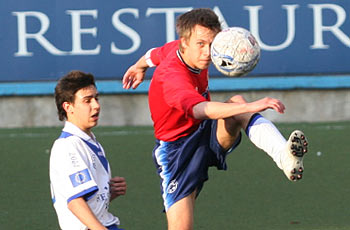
(78, 168)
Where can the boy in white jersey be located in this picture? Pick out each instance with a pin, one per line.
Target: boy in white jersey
(81, 182)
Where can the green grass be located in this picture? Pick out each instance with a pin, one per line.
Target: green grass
(252, 194)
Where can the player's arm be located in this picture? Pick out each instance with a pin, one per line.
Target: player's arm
(236, 105)
(82, 211)
(134, 76)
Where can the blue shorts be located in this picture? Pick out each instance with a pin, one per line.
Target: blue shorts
(113, 227)
(183, 164)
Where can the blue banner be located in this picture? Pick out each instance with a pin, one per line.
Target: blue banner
(41, 40)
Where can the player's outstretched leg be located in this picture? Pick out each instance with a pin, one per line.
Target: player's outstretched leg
(292, 161)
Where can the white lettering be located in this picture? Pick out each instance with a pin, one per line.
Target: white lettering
(254, 26)
(27, 32)
(132, 34)
(77, 31)
(222, 20)
(23, 35)
(319, 27)
(169, 19)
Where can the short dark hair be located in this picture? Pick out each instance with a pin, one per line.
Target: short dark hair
(67, 86)
(201, 16)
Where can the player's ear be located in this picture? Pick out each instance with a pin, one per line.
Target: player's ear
(67, 106)
(184, 42)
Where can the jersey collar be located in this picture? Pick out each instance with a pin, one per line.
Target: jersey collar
(193, 70)
(73, 129)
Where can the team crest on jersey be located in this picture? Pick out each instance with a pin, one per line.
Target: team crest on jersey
(80, 177)
(172, 186)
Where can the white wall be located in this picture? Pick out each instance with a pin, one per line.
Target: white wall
(132, 109)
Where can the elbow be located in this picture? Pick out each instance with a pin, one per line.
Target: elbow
(200, 116)
(199, 111)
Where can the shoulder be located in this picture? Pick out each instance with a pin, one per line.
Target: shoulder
(67, 140)
(65, 145)
(170, 46)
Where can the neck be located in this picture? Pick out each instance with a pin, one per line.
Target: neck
(192, 69)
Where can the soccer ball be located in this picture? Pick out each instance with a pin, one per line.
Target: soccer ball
(235, 52)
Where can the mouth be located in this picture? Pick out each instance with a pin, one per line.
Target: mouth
(95, 116)
(206, 60)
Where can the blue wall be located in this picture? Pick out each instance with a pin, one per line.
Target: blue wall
(42, 42)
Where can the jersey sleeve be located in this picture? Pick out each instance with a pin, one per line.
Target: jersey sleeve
(155, 56)
(71, 176)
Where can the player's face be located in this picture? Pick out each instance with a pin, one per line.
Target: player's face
(197, 48)
(85, 110)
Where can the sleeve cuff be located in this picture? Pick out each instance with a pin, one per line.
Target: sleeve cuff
(86, 194)
(148, 58)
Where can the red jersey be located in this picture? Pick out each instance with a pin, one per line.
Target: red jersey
(174, 90)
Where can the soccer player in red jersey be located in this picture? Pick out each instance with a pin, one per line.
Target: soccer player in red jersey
(194, 133)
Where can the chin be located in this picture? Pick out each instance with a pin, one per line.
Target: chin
(204, 66)
(93, 124)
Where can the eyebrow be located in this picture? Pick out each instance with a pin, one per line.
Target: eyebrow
(202, 40)
(90, 96)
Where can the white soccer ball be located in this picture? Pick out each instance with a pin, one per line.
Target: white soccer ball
(235, 52)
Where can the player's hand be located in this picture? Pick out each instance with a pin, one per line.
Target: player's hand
(266, 103)
(117, 187)
(133, 77)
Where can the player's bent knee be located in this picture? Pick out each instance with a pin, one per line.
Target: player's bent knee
(236, 99)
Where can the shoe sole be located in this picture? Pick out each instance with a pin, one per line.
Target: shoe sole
(297, 148)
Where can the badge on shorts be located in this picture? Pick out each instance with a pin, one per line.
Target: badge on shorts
(80, 177)
(172, 186)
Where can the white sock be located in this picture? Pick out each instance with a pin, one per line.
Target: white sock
(264, 135)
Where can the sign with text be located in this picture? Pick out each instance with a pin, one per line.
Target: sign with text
(43, 41)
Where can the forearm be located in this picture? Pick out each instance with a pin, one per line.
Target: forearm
(82, 211)
(236, 105)
(142, 63)
(218, 110)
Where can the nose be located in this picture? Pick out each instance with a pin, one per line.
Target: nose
(206, 52)
(96, 104)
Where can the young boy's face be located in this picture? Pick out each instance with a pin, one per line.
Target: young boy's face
(85, 110)
(197, 47)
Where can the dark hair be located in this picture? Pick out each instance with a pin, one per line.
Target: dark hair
(67, 86)
(202, 16)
